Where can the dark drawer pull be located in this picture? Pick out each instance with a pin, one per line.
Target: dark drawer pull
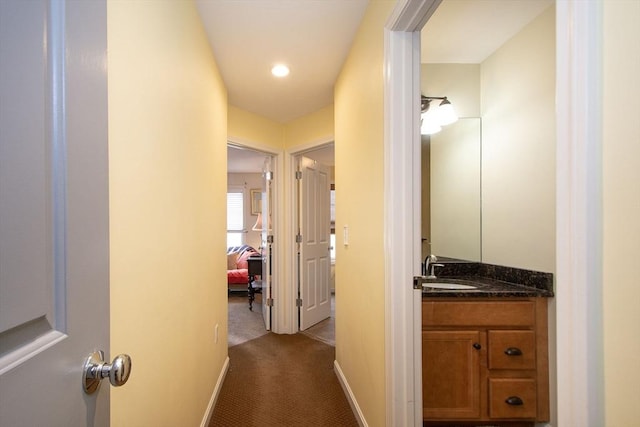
(514, 401)
(477, 346)
(513, 351)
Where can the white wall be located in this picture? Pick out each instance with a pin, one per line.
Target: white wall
(460, 83)
(455, 190)
(518, 149)
(459, 238)
(248, 181)
(513, 91)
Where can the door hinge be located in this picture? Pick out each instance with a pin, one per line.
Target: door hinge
(299, 302)
(270, 238)
(268, 176)
(299, 238)
(269, 302)
(298, 174)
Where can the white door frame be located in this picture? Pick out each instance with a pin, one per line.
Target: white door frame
(403, 343)
(267, 262)
(580, 360)
(578, 215)
(277, 311)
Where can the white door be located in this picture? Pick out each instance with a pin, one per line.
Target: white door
(315, 229)
(54, 251)
(267, 240)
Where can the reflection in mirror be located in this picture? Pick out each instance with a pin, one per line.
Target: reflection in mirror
(451, 211)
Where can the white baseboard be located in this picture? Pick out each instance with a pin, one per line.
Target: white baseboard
(350, 396)
(216, 392)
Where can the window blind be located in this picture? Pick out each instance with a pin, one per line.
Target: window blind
(235, 211)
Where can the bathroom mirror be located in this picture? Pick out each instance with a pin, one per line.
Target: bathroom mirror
(451, 209)
(511, 86)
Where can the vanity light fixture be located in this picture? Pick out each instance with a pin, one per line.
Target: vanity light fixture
(280, 70)
(434, 118)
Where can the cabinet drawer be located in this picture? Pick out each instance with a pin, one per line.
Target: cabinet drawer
(512, 398)
(472, 313)
(512, 349)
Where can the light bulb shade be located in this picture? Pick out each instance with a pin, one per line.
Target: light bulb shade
(429, 124)
(258, 225)
(446, 113)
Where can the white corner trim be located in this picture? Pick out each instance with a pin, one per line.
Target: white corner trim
(580, 358)
(411, 15)
(402, 217)
(350, 396)
(216, 393)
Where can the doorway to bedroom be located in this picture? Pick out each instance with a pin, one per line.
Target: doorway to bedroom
(249, 251)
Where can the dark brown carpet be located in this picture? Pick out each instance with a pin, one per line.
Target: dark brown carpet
(282, 380)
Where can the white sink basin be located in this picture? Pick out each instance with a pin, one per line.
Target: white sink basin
(451, 286)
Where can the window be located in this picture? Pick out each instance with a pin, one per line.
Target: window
(235, 218)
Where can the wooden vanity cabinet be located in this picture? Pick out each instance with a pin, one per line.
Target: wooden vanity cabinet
(451, 374)
(485, 360)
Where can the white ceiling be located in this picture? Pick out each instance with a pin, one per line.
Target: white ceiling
(240, 160)
(468, 31)
(314, 36)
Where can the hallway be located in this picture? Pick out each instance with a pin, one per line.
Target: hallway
(279, 380)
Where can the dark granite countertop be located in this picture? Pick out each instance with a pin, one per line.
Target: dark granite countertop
(489, 281)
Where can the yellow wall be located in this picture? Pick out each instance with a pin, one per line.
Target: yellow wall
(621, 197)
(314, 127)
(167, 154)
(245, 126)
(359, 138)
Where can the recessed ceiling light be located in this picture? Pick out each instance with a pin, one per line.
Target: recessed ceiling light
(280, 70)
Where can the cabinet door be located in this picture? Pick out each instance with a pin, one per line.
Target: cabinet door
(451, 374)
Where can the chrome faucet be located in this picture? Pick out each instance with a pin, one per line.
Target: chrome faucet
(429, 266)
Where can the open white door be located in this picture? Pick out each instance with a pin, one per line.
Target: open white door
(267, 240)
(315, 229)
(54, 236)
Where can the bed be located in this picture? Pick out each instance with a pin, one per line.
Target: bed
(237, 267)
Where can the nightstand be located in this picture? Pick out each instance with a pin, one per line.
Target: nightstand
(255, 278)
